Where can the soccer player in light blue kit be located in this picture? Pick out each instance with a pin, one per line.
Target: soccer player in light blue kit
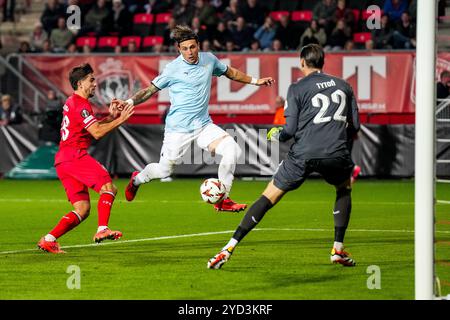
(188, 78)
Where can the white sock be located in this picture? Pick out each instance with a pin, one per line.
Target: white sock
(152, 171)
(339, 246)
(50, 238)
(232, 243)
(230, 152)
(101, 228)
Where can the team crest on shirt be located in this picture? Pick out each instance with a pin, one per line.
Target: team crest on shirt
(85, 113)
(113, 82)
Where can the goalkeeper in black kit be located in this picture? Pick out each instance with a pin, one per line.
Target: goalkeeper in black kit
(320, 111)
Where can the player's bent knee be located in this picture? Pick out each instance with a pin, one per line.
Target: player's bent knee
(82, 209)
(230, 149)
(343, 191)
(109, 188)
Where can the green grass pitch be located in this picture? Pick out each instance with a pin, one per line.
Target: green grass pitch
(169, 234)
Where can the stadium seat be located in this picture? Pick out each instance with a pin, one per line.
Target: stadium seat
(142, 24)
(161, 21)
(149, 42)
(356, 14)
(125, 40)
(276, 15)
(361, 37)
(288, 5)
(301, 19)
(107, 44)
(89, 41)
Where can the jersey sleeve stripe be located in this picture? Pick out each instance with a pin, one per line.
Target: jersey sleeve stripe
(94, 120)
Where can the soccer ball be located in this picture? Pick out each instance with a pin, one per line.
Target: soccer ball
(212, 190)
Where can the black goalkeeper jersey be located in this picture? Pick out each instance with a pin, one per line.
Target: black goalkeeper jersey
(320, 110)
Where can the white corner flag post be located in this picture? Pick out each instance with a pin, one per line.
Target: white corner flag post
(425, 149)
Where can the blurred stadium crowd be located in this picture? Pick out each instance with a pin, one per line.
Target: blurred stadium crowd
(222, 25)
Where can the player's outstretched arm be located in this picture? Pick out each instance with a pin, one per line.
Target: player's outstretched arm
(139, 97)
(100, 129)
(237, 75)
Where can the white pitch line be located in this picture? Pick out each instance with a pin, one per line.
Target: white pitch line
(62, 200)
(214, 233)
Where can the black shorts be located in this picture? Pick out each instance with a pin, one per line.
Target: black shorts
(293, 172)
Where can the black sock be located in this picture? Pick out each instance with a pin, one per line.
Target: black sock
(341, 214)
(253, 216)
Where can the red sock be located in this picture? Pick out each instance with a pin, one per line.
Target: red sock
(104, 207)
(67, 223)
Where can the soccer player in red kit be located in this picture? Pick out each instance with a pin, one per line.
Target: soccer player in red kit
(76, 169)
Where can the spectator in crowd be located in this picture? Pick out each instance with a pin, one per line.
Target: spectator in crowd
(24, 47)
(241, 35)
(232, 12)
(255, 46)
(53, 10)
(230, 46)
(404, 35)
(339, 36)
(183, 12)
(47, 47)
(219, 5)
(345, 13)
(266, 33)
(120, 18)
(394, 9)
(158, 48)
(37, 37)
(382, 37)
(284, 33)
(206, 46)
(97, 18)
(132, 47)
(205, 13)
(132, 5)
(324, 12)
(9, 113)
(87, 49)
(253, 13)
(276, 45)
(118, 49)
(349, 45)
(169, 42)
(412, 10)
(61, 37)
(220, 36)
(443, 86)
(313, 34)
(8, 10)
(369, 45)
(199, 29)
(279, 118)
(72, 48)
(50, 126)
(156, 6)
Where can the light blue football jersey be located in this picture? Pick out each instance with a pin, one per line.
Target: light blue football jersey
(189, 90)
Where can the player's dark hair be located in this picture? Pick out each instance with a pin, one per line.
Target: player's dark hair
(313, 55)
(183, 33)
(79, 73)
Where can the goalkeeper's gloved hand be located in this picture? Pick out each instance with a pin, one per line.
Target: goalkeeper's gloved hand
(274, 133)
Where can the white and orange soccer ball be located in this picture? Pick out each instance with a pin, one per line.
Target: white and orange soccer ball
(212, 190)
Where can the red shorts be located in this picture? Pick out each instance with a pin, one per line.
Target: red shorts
(80, 174)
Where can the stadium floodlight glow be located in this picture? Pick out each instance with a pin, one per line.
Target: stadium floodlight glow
(425, 150)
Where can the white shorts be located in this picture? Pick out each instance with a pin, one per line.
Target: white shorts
(175, 144)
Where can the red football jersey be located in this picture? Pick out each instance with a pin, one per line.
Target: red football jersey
(77, 117)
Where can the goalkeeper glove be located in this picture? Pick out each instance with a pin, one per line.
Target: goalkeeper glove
(274, 133)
